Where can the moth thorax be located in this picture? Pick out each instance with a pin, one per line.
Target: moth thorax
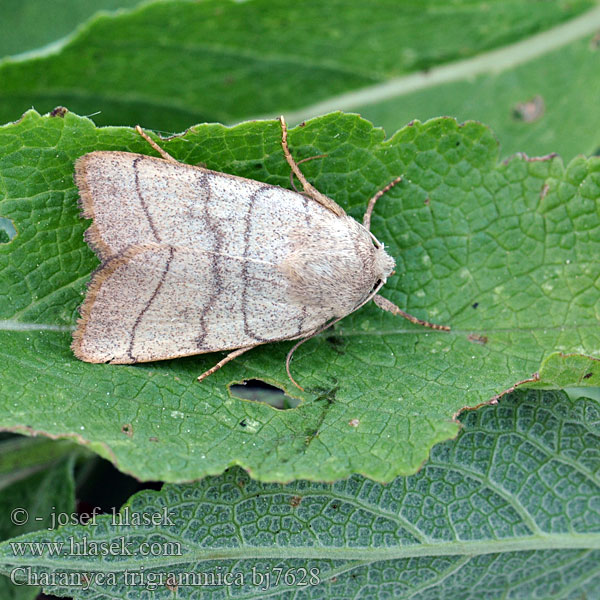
(384, 264)
(336, 279)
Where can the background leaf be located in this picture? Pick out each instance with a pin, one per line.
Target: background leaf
(508, 509)
(499, 251)
(30, 24)
(168, 65)
(36, 482)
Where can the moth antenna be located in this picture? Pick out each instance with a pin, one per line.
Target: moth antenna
(388, 306)
(373, 200)
(162, 152)
(224, 361)
(300, 162)
(313, 192)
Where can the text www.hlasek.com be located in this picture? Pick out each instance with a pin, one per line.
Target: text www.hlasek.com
(116, 547)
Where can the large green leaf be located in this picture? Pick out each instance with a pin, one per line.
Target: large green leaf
(504, 253)
(169, 64)
(508, 510)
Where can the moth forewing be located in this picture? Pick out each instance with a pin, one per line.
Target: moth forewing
(196, 261)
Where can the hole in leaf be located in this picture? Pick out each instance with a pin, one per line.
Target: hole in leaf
(7, 230)
(256, 390)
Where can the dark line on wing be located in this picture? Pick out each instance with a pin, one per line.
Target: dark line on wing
(139, 318)
(217, 282)
(245, 279)
(307, 217)
(141, 199)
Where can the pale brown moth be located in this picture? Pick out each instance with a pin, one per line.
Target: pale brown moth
(196, 261)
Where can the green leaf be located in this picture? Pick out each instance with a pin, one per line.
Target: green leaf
(504, 253)
(507, 510)
(169, 64)
(36, 482)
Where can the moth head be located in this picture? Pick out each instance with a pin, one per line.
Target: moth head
(384, 264)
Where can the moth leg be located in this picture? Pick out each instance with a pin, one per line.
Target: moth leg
(373, 200)
(228, 358)
(310, 190)
(295, 347)
(288, 358)
(162, 152)
(388, 306)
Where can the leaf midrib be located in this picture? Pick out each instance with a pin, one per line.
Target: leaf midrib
(467, 548)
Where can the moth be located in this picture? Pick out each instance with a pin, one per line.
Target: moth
(196, 261)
